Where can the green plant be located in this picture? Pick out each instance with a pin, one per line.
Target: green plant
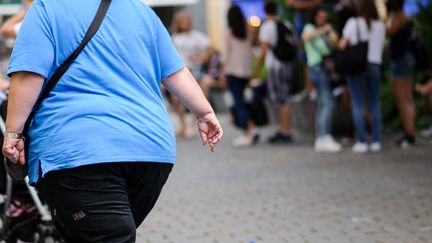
(424, 26)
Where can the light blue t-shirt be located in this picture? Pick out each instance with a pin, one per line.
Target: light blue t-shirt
(108, 106)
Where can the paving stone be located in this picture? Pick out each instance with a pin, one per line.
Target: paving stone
(289, 193)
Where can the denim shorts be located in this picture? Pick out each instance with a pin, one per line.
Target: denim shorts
(280, 83)
(403, 67)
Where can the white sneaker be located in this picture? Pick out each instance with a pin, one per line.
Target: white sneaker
(242, 141)
(313, 95)
(360, 148)
(299, 97)
(426, 133)
(375, 147)
(327, 144)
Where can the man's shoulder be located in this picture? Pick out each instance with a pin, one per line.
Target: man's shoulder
(268, 22)
(269, 26)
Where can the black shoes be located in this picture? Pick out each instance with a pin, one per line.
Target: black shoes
(406, 141)
(280, 138)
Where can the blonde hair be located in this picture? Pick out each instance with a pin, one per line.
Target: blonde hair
(178, 17)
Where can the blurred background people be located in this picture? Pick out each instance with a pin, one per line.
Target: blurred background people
(302, 11)
(317, 48)
(402, 65)
(237, 58)
(11, 26)
(425, 89)
(213, 78)
(280, 78)
(345, 10)
(365, 86)
(193, 47)
(10, 29)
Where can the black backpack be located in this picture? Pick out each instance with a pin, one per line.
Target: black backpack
(285, 49)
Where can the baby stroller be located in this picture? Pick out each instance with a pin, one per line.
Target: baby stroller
(23, 216)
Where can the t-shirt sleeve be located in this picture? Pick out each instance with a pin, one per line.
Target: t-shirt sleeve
(169, 58)
(308, 29)
(349, 31)
(267, 33)
(34, 47)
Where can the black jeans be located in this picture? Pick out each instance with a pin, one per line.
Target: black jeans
(103, 202)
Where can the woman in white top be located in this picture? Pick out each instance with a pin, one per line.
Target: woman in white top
(236, 57)
(193, 47)
(366, 26)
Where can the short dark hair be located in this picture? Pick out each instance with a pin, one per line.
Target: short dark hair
(270, 8)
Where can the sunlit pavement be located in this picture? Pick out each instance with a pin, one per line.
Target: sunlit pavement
(288, 193)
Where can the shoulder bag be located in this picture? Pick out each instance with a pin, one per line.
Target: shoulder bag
(352, 59)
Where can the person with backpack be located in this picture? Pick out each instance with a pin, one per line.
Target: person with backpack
(402, 64)
(317, 47)
(302, 9)
(278, 51)
(365, 85)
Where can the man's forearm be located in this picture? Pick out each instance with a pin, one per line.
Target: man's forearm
(184, 86)
(24, 90)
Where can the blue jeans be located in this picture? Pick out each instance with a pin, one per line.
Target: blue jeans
(325, 103)
(237, 86)
(366, 85)
(299, 25)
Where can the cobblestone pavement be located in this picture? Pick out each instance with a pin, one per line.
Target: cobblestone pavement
(289, 193)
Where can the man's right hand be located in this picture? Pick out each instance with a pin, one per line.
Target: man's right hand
(210, 132)
(13, 150)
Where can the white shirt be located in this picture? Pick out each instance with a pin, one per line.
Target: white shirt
(268, 34)
(375, 36)
(237, 56)
(190, 45)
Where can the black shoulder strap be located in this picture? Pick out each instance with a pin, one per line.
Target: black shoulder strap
(94, 27)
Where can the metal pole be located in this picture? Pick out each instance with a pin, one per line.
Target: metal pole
(45, 215)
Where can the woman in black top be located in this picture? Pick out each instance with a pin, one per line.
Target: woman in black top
(402, 65)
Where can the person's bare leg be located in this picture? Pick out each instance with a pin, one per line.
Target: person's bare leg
(402, 90)
(249, 129)
(285, 119)
(180, 111)
(308, 83)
